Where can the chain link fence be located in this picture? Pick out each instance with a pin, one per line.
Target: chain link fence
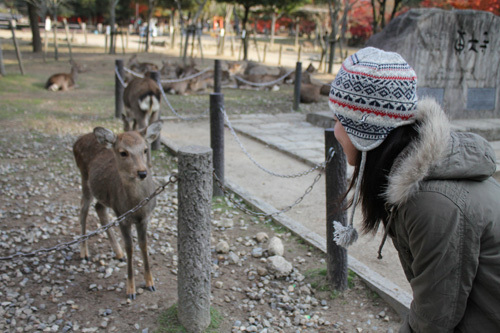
(80, 239)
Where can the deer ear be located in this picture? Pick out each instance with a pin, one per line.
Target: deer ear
(105, 137)
(152, 132)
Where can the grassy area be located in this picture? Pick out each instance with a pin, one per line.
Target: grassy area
(168, 321)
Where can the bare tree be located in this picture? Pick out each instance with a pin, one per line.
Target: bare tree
(53, 7)
(112, 20)
(35, 31)
(333, 8)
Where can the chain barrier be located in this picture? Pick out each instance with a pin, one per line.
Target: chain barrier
(133, 73)
(294, 175)
(187, 77)
(120, 77)
(173, 110)
(244, 209)
(263, 84)
(172, 179)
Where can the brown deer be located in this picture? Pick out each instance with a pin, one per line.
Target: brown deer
(115, 172)
(65, 81)
(141, 98)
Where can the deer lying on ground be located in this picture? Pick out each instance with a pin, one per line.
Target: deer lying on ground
(65, 81)
(115, 172)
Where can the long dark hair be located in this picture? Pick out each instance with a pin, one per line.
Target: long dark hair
(379, 162)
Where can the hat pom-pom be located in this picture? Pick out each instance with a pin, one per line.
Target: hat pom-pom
(344, 236)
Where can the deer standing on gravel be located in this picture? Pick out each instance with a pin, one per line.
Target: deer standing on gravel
(65, 81)
(115, 172)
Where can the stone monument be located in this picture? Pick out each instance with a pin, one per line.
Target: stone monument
(456, 55)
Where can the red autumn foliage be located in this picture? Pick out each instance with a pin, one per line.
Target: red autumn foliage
(492, 6)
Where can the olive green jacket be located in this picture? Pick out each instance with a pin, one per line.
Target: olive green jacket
(445, 226)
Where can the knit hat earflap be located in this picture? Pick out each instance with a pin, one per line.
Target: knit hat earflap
(374, 92)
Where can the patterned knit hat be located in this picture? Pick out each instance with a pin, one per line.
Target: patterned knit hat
(374, 92)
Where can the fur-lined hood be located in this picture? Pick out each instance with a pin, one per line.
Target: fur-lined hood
(438, 154)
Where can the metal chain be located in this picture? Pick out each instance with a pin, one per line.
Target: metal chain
(174, 112)
(250, 212)
(187, 77)
(120, 77)
(294, 175)
(263, 84)
(172, 179)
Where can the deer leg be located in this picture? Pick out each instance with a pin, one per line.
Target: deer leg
(143, 244)
(127, 238)
(85, 204)
(103, 218)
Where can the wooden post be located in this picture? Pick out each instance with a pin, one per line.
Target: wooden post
(84, 30)
(217, 138)
(105, 42)
(336, 186)
(217, 76)
(46, 38)
(256, 46)
(155, 76)
(296, 90)
(18, 51)
(300, 51)
(2, 68)
(279, 57)
(119, 88)
(193, 241)
(264, 56)
(123, 44)
(56, 48)
(66, 29)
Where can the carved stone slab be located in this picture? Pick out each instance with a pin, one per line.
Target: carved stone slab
(456, 55)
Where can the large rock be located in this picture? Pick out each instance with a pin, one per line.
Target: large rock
(456, 55)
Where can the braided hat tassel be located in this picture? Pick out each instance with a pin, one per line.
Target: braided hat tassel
(347, 235)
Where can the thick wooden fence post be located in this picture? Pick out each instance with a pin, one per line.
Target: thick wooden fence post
(296, 90)
(217, 76)
(217, 138)
(119, 88)
(336, 185)
(193, 241)
(157, 143)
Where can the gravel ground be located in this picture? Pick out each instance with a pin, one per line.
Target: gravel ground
(58, 292)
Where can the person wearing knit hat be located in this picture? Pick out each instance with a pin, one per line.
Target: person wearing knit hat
(431, 188)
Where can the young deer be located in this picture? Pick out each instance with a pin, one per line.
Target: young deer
(115, 172)
(65, 81)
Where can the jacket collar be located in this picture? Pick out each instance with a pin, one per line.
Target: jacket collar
(415, 162)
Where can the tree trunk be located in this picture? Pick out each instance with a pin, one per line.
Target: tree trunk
(112, 46)
(150, 14)
(245, 33)
(35, 31)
